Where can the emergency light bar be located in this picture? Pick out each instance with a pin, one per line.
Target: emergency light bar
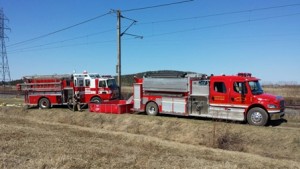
(244, 74)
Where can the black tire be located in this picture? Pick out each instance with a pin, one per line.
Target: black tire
(152, 109)
(44, 103)
(96, 100)
(257, 117)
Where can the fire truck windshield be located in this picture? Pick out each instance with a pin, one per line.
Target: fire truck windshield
(255, 87)
(111, 83)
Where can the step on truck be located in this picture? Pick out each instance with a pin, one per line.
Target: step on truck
(237, 97)
(46, 91)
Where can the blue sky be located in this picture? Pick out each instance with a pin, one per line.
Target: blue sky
(265, 42)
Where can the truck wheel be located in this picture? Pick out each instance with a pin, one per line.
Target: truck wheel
(152, 109)
(257, 117)
(44, 103)
(96, 100)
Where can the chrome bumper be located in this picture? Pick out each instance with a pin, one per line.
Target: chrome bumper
(276, 115)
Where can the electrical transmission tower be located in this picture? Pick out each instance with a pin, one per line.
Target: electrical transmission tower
(4, 68)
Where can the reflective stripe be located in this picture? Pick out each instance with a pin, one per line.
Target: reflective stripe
(229, 105)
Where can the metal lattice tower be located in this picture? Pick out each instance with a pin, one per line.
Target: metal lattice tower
(4, 68)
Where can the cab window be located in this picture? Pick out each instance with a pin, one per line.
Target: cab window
(220, 87)
(78, 82)
(238, 87)
(87, 82)
(102, 83)
(111, 83)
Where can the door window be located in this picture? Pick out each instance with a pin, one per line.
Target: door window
(87, 82)
(220, 87)
(80, 82)
(238, 87)
(102, 83)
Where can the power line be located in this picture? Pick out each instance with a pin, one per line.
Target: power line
(62, 41)
(63, 46)
(170, 20)
(166, 33)
(60, 30)
(156, 6)
(220, 14)
(221, 25)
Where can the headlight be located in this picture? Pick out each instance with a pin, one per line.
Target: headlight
(272, 106)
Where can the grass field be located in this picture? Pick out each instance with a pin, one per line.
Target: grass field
(59, 138)
(290, 93)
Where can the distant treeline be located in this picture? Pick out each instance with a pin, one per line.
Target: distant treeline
(128, 80)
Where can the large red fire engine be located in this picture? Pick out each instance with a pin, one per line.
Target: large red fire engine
(48, 90)
(239, 97)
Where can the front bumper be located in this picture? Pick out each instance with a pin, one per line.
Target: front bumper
(276, 115)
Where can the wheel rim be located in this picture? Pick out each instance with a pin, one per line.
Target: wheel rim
(256, 117)
(44, 104)
(152, 110)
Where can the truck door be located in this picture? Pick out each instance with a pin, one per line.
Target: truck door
(239, 95)
(218, 92)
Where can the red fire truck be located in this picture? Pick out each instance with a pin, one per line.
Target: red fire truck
(239, 97)
(48, 90)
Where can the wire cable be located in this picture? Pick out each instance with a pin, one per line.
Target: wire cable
(60, 30)
(219, 14)
(69, 45)
(163, 34)
(62, 41)
(156, 6)
(221, 25)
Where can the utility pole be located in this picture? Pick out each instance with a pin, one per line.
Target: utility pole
(119, 36)
(4, 70)
(119, 51)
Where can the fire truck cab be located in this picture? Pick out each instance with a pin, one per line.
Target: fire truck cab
(48, 90)
(94, 87)
(238, 97)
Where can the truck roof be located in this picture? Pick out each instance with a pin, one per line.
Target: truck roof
(235, 77)
(55, 76)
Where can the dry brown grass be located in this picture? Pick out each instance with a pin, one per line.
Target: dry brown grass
(290, 93)
(12, 100)
(285, 91)
(58, 138)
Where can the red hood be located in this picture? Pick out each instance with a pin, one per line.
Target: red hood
(265, 97)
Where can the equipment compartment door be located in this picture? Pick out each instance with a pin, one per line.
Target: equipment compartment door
(174, 105)
(137, 96)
